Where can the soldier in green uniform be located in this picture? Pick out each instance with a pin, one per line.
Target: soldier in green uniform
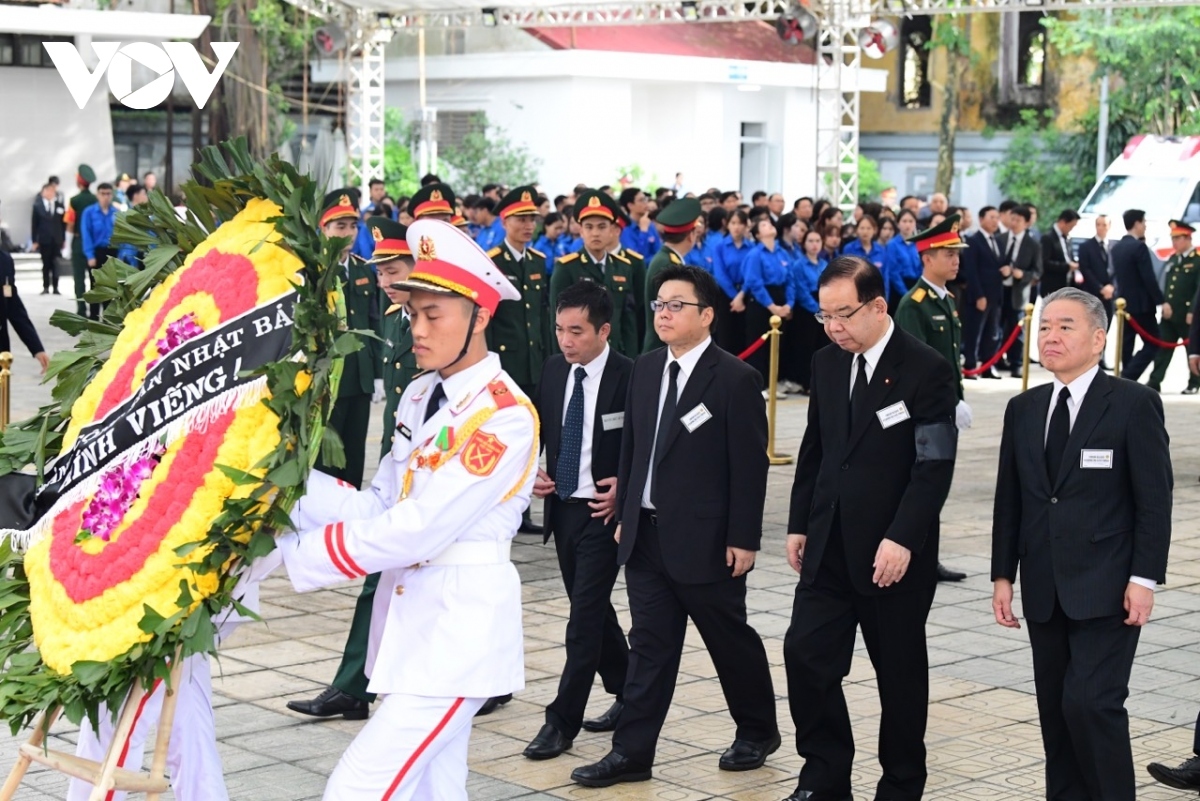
(678, 225)
(393, 261)
(928, 312)
(84, 177)
(433, 202)
(361, 379)
(615, 270)
(520, 330)
(1182, 283)
(347, 695)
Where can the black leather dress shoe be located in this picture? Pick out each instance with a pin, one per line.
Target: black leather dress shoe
(613, 769)
(607, 721)
(991, 372)
(332, 702)
(492, 704)
(807, 795)
(748, 754)
(548, 744)
(970, 376)
(1184, 777)
(946, 574)
(1017, 373)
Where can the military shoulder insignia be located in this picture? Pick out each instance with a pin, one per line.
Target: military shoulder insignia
(501, 395)
(494, 252)
(536, 252)
(395, 307)
(949, 294)
(621, 258)
(635, 254)
(675, 258)
(568, 257)
(482, 453)
(919, 294)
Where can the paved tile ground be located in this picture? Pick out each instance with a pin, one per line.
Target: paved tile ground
(983, 736)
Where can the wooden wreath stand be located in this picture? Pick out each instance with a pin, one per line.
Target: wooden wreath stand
(105, 776)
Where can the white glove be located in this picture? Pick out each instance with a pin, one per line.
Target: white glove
(378, 395)
(962, 415)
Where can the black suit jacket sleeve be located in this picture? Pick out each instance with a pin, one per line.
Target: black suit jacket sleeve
(746, 433)
(808, 466)
(1193, 347)
(625, 465)
(1092, 267)
(1150, 470)
(1006, 511)
(1054, 261)
(1145, 271)
(929, 485)
(969, 267)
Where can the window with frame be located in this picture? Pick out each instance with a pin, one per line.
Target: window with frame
(915, 88)
(1023, 59)
(453, 126)
(17, 50)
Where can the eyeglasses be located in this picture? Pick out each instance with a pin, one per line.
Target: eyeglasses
(674, 306)
(825, 319)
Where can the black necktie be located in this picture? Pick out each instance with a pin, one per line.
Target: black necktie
(666, 418)
(995, 250)
(567, 479)
(435, 401)
(858, 395)
(1059, 433)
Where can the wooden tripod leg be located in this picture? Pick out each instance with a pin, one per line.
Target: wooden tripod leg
(104, 781)
(166, 720)
(44, 722)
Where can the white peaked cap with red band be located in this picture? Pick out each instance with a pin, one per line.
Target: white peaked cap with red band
(447, 261)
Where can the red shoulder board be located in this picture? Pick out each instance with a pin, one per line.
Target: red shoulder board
(501, 395)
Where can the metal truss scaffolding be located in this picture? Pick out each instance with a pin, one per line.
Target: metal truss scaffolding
(364, 120)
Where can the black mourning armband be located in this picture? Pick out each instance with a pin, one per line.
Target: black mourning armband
(936, 441)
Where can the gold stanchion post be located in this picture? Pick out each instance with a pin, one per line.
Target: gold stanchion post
(772, 388)
(1120, 337)
(1027, 324)
(6, 360)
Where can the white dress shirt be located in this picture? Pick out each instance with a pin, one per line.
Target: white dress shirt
(687, 364)
(518, 255)
(591, 391)
(1079, 388)
(872, 355)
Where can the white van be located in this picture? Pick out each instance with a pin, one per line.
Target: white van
(1158, 174)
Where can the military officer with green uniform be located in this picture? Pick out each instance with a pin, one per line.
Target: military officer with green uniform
(521, 330)
(361, 377)
(677, 221)
(433, 202)
(347, 695)
(1182, 282)
(929, 313)
(597, 214)
(84, 177)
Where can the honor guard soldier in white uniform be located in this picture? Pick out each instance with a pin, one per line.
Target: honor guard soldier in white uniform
(437, 523)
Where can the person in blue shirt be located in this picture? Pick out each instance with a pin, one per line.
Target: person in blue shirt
(728, 255)
(640, 235)
(767, 282)
(126, 252)
(792, 231)
(807, 335)
(553, 232)
(902, 267)
(699, 256)
(96, 228)
(864, 245)
(491, 230)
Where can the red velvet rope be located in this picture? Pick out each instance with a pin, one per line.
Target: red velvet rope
(754, 346)
(1153, 340)
(990, 363)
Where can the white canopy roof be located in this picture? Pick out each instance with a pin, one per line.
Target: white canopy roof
(53, 20)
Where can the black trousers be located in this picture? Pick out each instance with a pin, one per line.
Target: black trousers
(731, 327)
(102, 254)
(980, 329)
(1081, 671)
(660, 608)
(817, 651)
(350, 418)
(49, 255)
(1009, 317)
(587, 556)
(758, 322)
(1133, 366)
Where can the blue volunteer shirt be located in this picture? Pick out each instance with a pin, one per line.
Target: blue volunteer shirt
(727, 258)
(764, 268)
(97, 228)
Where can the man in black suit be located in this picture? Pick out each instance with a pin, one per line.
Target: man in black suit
(1083, 508)
(1058, 262)
(1021, 271)
(981, 263)
(12, 310)
(1134, 271)
(1095, 265)
(48, 234)
(874, 469)
(691, 488)
(581, 403)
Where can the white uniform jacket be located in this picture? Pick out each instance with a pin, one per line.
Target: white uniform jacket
(465, 476)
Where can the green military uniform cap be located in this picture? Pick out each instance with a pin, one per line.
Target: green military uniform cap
(339, 204)
(594, 203)
(86, 173)
(1180, 228)
(520, 202)
(432, 199)
(389, 237)
(942, 235)
(679, 216)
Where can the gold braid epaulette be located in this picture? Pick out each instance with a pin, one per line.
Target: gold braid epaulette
(533, 451)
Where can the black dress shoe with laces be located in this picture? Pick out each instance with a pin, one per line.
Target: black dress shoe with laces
(332, 702)
(607, 721)
(748, 754)
(946, 574)
(808, 795)
(613, 769)
(549, 743)
(492, 704)
(1184, 777)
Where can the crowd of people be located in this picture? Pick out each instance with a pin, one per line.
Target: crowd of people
(617, 319)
